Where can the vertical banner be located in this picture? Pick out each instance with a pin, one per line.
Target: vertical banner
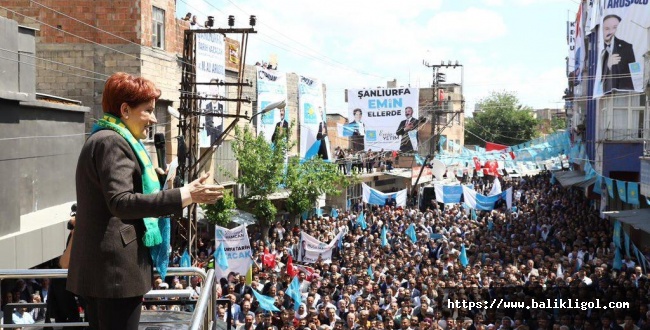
(210, 68)
(577, 50)
(237, 248)
(386, 118)
(313, 120)
(623, 39)
(271, 88)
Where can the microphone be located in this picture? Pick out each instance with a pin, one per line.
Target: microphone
(159, 143)
(182, 156)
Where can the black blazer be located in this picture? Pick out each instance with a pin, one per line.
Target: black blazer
(108, 257)
(285, 125)
(619, 75)
(405, 143)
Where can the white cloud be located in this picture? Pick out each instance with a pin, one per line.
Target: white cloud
(470, 25)
(493, 2)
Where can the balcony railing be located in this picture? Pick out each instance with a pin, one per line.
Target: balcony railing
(628, 134)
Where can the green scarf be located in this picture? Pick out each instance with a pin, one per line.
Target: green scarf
(150, 183)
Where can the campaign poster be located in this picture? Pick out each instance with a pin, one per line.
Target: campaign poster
(623, 39)
(210, 68)
(313, 120)
(384, 118)
(271, 89)
(238, 250)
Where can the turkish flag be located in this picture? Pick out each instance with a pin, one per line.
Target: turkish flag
(491, 146)
(291, 269)
(477, 163)
(268, 259)
(491, 168)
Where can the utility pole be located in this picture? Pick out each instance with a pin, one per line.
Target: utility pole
(437, 110)
(190, 113)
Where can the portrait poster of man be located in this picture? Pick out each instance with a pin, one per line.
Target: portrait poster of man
(271, 88)
(313, 121)
(210, 68)
(622, 43)
(386, 118)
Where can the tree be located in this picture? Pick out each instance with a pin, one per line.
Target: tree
(261, 171)
(220, 212)
(310, 179)
(502, 120)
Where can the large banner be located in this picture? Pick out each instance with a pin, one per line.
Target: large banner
(210, 68)
(427, 174)
(623, 39)
(384, 118)
(577, 50)
(271, 88)
(313, 120)
(238, 250)
(311, 249)
(376, 197)
(449, 194)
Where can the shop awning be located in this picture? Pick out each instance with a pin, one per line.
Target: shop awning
(586, 183)
(639, 219)
(569, 178)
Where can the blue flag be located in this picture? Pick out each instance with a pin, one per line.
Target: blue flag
(305, 215)
(294, 292)
(618, 261)
(266, 303)
(313, 150)
(349, 204)
(370, 273)
(436, 236)
(633, 193)
(474, 216)
(361, 221)
(335, 213)
(319, 212)
(617, 234)
(410, 231)
(384, 240)
(186, 261)
(490, 225)
(622, 191)
(627, 244)
(463, 256)
(610, 186)
(419, 160)
(339, 244)
(220, 257)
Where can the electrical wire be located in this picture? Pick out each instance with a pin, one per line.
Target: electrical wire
(51, 61)
(42, 67)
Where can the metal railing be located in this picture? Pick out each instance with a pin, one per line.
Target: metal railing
(625, 134)
(202, 317)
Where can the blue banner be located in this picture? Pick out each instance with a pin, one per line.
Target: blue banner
(610, 186)
(633, 193)
(622, 192)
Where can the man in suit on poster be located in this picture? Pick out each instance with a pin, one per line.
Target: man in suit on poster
(616, 58)
(405, 126)
(282, 124)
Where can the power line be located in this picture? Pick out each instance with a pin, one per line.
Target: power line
(42, 67)
(55, 62)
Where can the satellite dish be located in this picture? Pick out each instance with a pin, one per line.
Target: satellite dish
(438, 168)
(173, 112)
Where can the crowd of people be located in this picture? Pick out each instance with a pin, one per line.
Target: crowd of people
(552, 245)
(359, 162)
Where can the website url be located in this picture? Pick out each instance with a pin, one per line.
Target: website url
(537, 304)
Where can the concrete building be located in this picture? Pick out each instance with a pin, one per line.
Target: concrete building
(451, 125)
(40, 139)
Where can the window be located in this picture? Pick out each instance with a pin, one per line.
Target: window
(625, 117)
(158, 28)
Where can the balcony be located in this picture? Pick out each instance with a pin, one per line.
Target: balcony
(628, 134)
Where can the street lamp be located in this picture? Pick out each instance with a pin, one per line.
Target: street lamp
(275, 105)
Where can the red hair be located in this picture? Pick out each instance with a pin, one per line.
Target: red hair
(124, 88)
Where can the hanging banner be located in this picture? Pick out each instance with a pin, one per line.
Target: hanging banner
(427, 174)
(386, 118)
(376, 197)
(449, 194)
(577, 50)
(210, 68)
(271, 88)
(313, 119)
(311, 249)
(238, 250)
(623, 40)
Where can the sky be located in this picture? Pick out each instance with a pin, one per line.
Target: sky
(517, 46)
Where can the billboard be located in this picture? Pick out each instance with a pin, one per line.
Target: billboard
(384, 118)
(210, 67)
(623, 39)
(271, 88)
(313, 120)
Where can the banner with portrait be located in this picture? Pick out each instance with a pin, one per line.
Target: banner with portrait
(238, 250)
(313, 120)
(311, 249)
(384, 118)
(271, 89)
(623, 40)
(577, 50)
(210, 68)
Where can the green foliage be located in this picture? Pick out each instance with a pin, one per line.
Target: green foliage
(310, 179)
(220, 212)
(502, 120)
(261, 169)
(558, 123)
